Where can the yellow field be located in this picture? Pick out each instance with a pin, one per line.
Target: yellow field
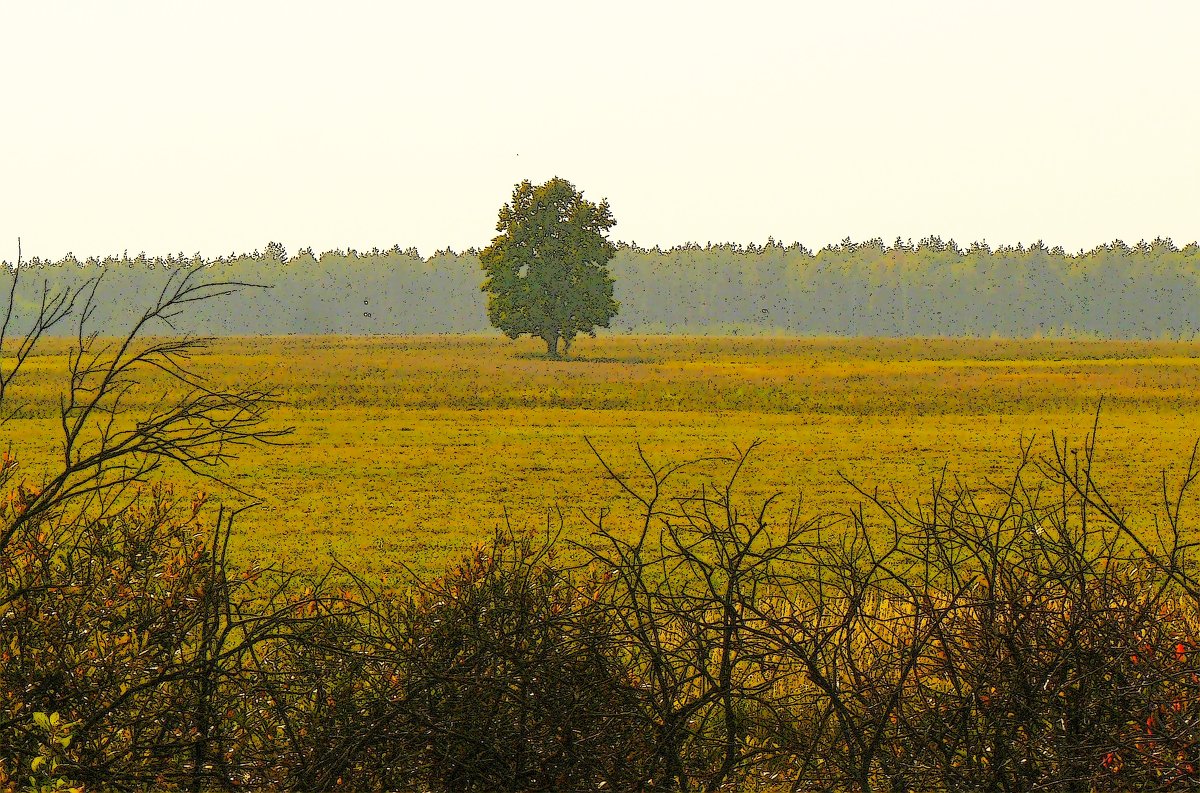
(413, 448)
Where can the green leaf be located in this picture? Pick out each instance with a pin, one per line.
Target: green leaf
(37, 763)
(41, 720)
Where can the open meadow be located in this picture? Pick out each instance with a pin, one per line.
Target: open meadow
(413, 448)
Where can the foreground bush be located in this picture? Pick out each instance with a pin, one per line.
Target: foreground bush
(985, 638)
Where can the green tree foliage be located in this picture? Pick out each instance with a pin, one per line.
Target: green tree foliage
(547, 272)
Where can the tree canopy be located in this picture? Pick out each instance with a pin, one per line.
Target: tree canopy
(547, 271)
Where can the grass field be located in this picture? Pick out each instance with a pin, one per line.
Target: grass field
(414, 447)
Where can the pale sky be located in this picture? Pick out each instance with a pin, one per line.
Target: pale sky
(218, 126)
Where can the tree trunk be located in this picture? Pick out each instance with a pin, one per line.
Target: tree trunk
(551, 340)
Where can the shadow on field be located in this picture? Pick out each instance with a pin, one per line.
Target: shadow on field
(541, 356)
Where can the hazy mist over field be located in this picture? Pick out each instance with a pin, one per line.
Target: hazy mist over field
(931, 287)
(138, 126)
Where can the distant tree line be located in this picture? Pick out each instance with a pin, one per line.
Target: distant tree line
(931, 288)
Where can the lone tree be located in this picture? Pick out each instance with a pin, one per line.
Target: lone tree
(548, 269)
